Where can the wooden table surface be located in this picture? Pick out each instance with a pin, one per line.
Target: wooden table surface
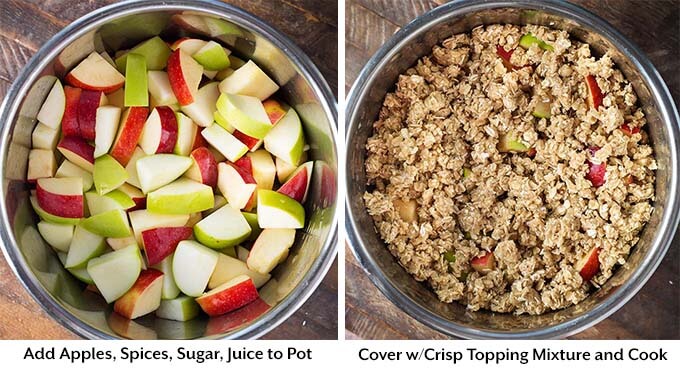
(26, 24)
(654, 313)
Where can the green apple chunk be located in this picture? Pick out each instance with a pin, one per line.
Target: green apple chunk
(286, 140)
(182, 196)
(131, 167)
(245, 113)
(84, 246)
(51, 217)
(169, 290)
(249, 80)
(114, 273)
(224, 142)
(183, 308)
(56, 235)
(108, 174)
(111, 224)
(542, 109)
(278, 211)
(136, 84)
(527, 40)
(155, 53)
(114, 200)
(192, 266)
(69, 169)
(510, 143)
(212, 56)
(223, 228)
(157, 170)
(186, 135)
(254, 226)
(220, 120)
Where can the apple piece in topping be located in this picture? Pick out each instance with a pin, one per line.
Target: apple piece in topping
(129, 132)
(297, 186)
(69, 120)
(161, 242)
(484, 264)
(143, 297)
(589, 265)
(231, 295)
(542, 109)
(52, 110)
(628, 130)
(94, 73)
(160, 131)
(407, 209)
(528, 39)
(594, 93)
(185, 75)
(510, 143)
(136, 84)
(41, 164)
(88, 104)
(505, 57)
(596, 170)
(249, 80)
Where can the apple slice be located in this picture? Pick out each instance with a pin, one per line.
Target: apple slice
(542, 109)
(143, 297)
(120, 243)
(511, 143)
(106, 127)
(188, 45)
(69, 169)
(204, 168)
(275, 110)
(253, 144)
(131, 168)
(589, 265)
(116, 272)
(94, 73)
(251, 218)
(242, 254)
(228, 268)
(160, 89)
(155, 53)
(249, 80)
(278, 211)
(625, 128)
(220, 201)
(88, 104)
(237, 186)
(185, 75)
(136, 85)
(192, 266)
(108, 174)
(597, 172)
(41, 164)
(85, 245)
(56, 235)
(78, 151)
(223, 228)
(183, 196)
(245, 113)
(114, 200)
(142, 220)
(160, 242)
(156, 171)
(186, 135)
(44, 137)
(484, 264)
(69, 120)
(297, 186)
(407, 209)
(61, 196)
(202, 109)
(270, 249)
(183, 308)
(131, 127)
(160, 131)
(286, 140)
(52, 109)
(594, 93)
(220, 120)
(224, 142)
(284, 169)
(110, 224)
(135, 194)
(212, 56)
(50, 217)
(229, 296)
(170, 290)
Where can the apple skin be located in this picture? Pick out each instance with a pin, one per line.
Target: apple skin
(274, 109)
(297, 185)
(146, 289)
(136, 195)
(594, 93)
(596, 172)
(68, 206)
(160, 242)
(87, 112)
(484, 264)
(227, 322)
(250, 142)
(78, 152)
(168, 131)
(132, 124)
(206, 165)
(230, 296)
(69, 121)
(181, 75)
(589, 265)
(94, 73)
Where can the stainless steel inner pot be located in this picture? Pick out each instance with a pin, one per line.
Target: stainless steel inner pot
(121, 26)
(417, 39)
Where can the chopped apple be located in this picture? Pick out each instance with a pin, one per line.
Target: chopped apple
(44, 137)
(189, 45)
(589, 265)
(136, 85)
(131, 126)
(160, 242)
(160, 89)
(94, 73)
(57, 235)
(160, 131)
(142, 220)
(51, 217)
(41, 164)
(275, 110)
(596, 170)
(212, 56)
(88, 104)
(220, 201)
(297, 186)
(143, 297)
(528, 39)
(85, 245)
(594, 93)
(61, 197)
(114, 200)
(484, 264)
(183, 196)
(245, 113)
(158, 170)
(278, 211)
(407, 209)
(202, 109)
(185, 75)
(509, 143)
(192, 266)
(220, 120)
(69, 169)
(286, 140)
(251, 218)
(187, 133)
(78, 151)
(170, 290)
(120, 243)
(229, 267)
(223, 228)
(135, 194)
(117, 98)
(155, 53)
(264, 169)
(131, 168)
(253, 144)
(231, 295)
(270, 249)
(224, 142)
(625, 128)
(237, 318)
(183, 308)
(238, 187)
(242, 253)
(542, 109)
(106, 127)
(69, 120)
(249, 80)
(52, 109)
(110, 224)
(284, 169)
(108, 174)
(116, 272)
(204, 168)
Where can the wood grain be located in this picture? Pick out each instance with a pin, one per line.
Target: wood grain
(654, 312)
(26, 25)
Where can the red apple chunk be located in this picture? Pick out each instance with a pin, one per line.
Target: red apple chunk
(594, 92)
(596, 172)
(484, 264)
(589, 265)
